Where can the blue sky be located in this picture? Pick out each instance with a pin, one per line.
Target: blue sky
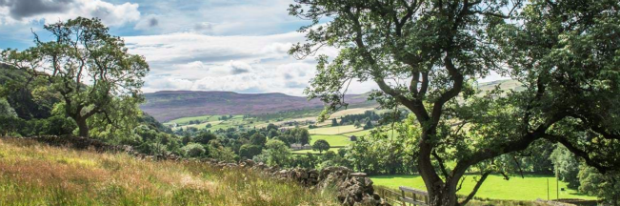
(225, 45)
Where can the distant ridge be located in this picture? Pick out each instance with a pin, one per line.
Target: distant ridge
(170, 105)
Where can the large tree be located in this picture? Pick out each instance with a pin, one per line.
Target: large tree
(427, 55)
(90, 69)
(321, 145)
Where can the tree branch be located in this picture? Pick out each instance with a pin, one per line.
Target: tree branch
(476, 187)
(441, 164)
(580, 153)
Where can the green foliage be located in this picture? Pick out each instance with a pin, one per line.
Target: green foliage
(605, 186)
(222, 153)
(258, 139)
(368, 125)
(566, 165)
(10, 125)
(193, 150)
(28, 101)
(320, 145)
(295, 135)
(204, 137)
(276, 152)
(9, 122)
(379, 154)
(6, 109)
(248, 151)
(54, 125)
(84, 51)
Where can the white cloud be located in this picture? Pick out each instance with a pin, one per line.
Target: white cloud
(191, 61)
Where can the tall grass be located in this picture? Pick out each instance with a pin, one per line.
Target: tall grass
(35, 174)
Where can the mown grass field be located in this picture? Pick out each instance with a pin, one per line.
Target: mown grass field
(389, 133)
(314, 152)
(335, 130)
(34, 174)
(333, 140)
(531, 187)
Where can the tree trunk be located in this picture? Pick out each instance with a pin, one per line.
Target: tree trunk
(82, 126)
(440, 192)
(444, 195)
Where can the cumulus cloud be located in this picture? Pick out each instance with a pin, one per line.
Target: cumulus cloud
(15, 11)
(191, 61)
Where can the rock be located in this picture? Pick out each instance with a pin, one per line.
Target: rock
(249, 163)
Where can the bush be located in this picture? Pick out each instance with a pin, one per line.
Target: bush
(193, 150)
(249, 151)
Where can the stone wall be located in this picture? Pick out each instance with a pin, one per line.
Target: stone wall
(352, 189)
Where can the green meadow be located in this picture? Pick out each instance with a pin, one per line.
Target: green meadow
(531, 187)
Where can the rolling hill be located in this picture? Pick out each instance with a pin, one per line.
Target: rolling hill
(169, 105)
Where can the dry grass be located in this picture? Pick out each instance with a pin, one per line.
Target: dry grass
(34, 174)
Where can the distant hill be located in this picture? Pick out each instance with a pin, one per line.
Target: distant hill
(170, 105)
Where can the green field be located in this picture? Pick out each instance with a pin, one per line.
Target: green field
(235, 122)
(313, 152)
(333, 140)
(186, 120)
(390, 133)
(531, 187)
(359, 133)
(335, 130)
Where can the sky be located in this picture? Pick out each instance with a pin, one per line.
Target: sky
(202, 45)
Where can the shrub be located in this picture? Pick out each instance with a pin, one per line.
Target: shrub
(193, 150)
(249, 151)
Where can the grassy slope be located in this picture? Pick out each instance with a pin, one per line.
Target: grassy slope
(531, 187)
(33, 174)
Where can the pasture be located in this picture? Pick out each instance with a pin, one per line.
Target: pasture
(529, 188)
(314, 152)
(333, 140)
(335, 130)
(389, 133)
